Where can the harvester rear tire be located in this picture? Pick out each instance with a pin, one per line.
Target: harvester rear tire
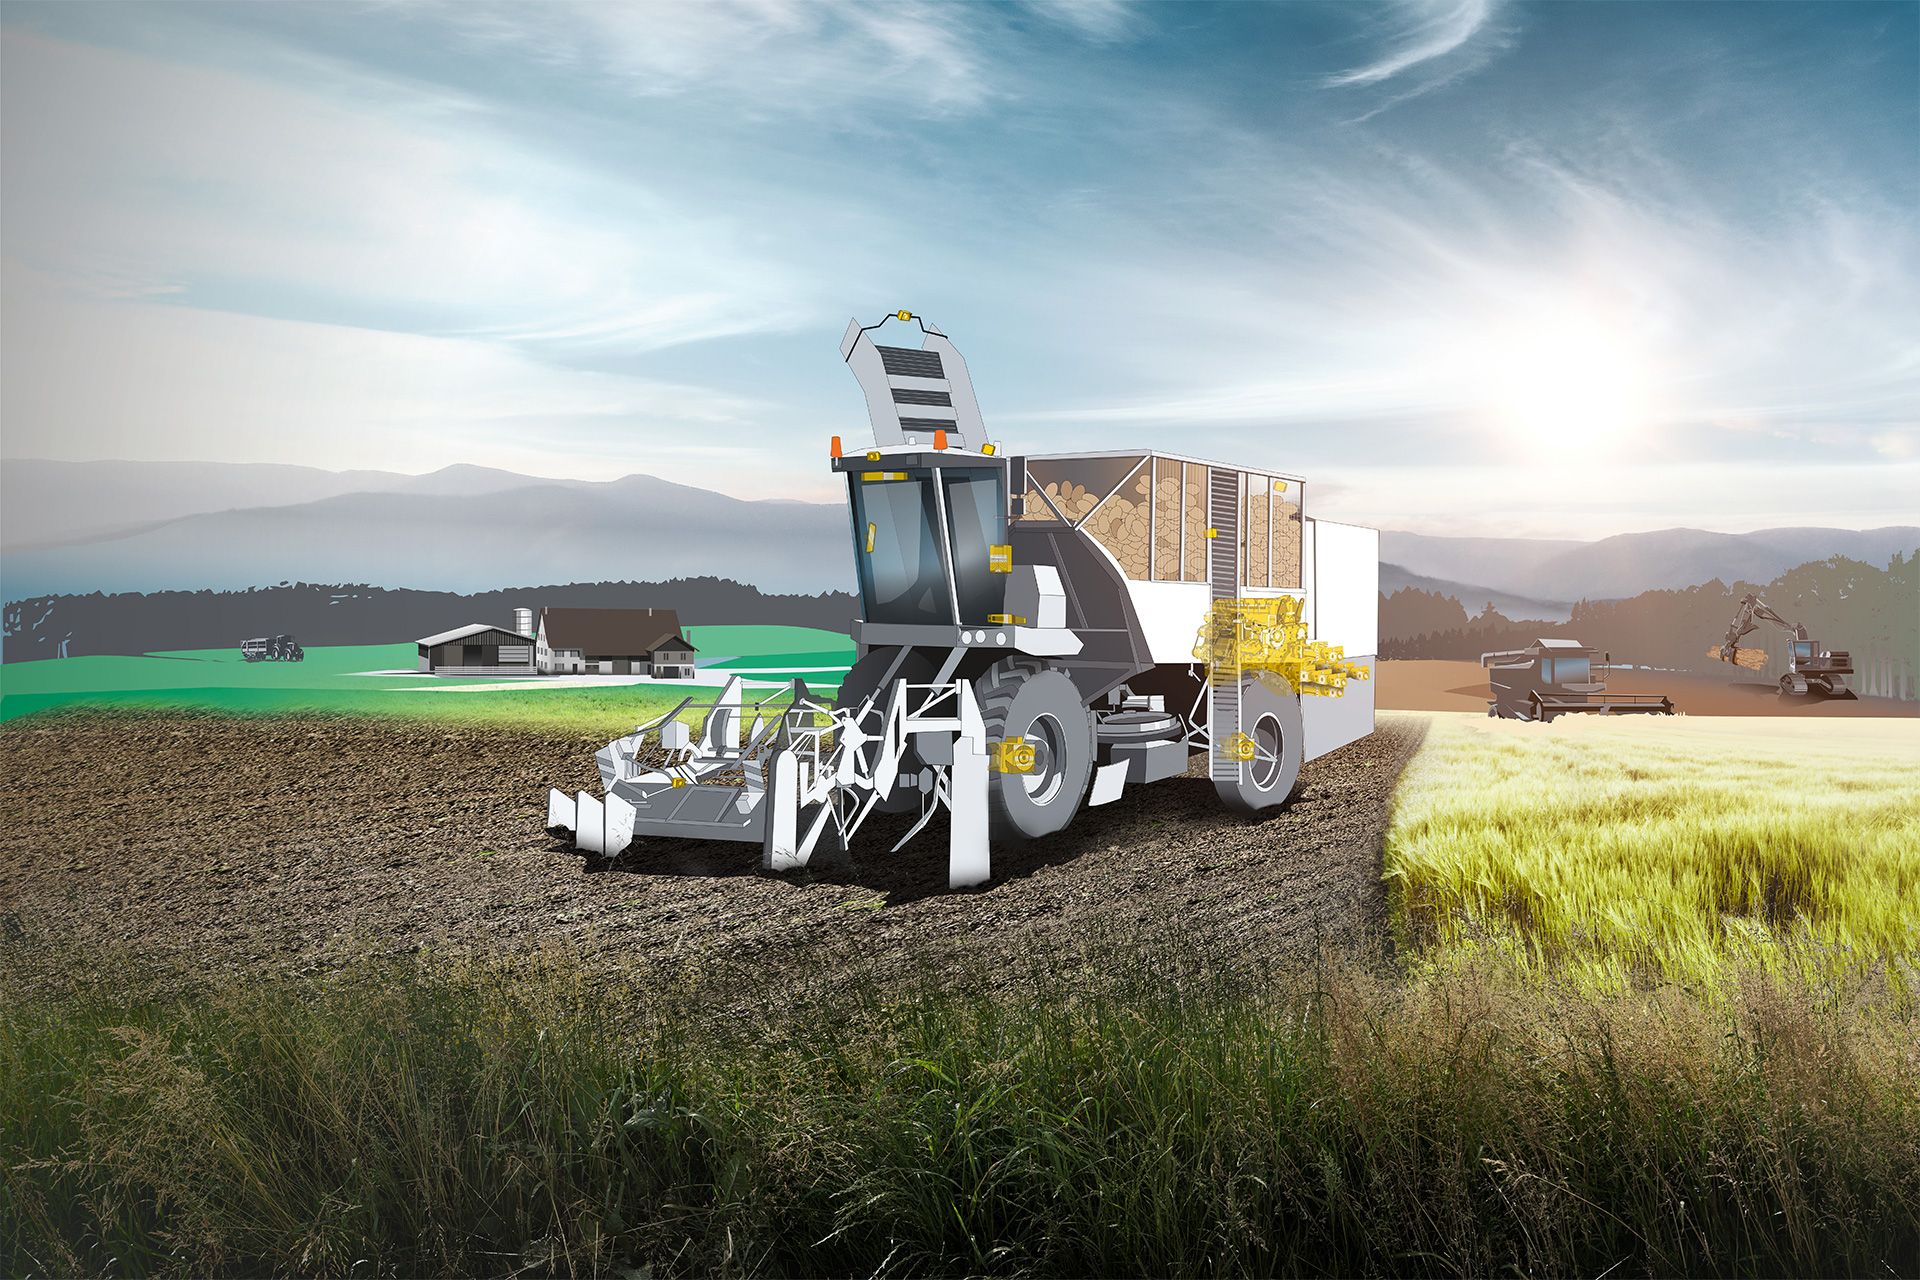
(1025, 698)
(1272, 720)
(861, 680)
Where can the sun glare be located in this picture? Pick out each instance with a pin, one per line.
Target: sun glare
(1566, 388)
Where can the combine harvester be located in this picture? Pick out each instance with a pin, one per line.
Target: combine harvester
(1035, 633)
(1810, 669)
(1553, 677)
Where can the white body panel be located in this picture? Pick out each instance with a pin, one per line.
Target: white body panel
(1346, 585)
(1170, 615)
(1341, 563)
(1329, 723)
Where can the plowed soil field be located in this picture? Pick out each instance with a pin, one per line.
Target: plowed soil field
(235, 844)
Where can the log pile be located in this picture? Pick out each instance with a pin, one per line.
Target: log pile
(1751, 659)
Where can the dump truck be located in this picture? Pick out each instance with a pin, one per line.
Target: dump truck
(272, 649)
(1552, 677)
(1810, 669)
(1036, 634)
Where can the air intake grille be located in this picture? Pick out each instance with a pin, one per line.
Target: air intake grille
(921, 397)
(903, 362)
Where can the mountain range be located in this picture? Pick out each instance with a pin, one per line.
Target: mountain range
(462, 529)
(1626, 564)
(77, 527)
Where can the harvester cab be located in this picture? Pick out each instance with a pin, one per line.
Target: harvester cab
(1035, 635)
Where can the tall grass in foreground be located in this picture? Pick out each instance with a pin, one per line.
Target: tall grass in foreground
(1650, 849)
(1123, 1114)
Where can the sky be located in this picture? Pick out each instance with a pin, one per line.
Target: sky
(1470, 267)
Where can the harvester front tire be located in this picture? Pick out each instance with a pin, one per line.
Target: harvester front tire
(861, 680)
(1272, 720)
(1024, 698)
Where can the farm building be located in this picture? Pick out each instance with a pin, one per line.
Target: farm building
(613, 642)
(477, 650)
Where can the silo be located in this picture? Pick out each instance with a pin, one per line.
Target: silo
(523, 622)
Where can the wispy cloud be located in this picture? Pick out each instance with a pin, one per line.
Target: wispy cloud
(1424, 30)
(808, 58)
(599, 232)
(1103, 21)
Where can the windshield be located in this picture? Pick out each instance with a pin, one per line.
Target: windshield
(1564, 671)
(901, 577)
(976, 519)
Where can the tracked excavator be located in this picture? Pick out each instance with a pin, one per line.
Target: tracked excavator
(1036, 634)
(1810, 669)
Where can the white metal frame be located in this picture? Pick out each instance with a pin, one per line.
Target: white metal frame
(802, 775)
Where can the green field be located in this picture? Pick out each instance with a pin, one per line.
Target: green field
(763, 646)
(336, 679)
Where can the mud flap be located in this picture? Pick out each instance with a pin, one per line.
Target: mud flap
(1107, 781)
(779, 848)
(619, 830)
(590, 824)
(969, 859)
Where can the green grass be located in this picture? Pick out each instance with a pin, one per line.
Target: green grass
(1640, 850)
(331, 679)
(1138, 1113)
(761, 641)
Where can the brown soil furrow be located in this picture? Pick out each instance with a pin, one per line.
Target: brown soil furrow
(228, 844)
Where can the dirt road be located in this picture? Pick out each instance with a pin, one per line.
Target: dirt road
(216, 843)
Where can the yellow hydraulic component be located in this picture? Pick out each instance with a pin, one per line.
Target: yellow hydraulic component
(1000, 558)
(1006, 620)
(1015, 755)
(1238, 747)
(1268, 635)
(903, 315)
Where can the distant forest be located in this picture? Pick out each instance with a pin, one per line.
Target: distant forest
(1874, 614)
(133, 623)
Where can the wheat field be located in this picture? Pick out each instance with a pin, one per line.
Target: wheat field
(1653, 849)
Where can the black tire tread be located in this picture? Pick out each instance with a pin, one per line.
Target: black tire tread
(996, 691)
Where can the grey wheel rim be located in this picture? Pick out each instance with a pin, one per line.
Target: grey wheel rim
(1267, 744)
(1044, 735)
